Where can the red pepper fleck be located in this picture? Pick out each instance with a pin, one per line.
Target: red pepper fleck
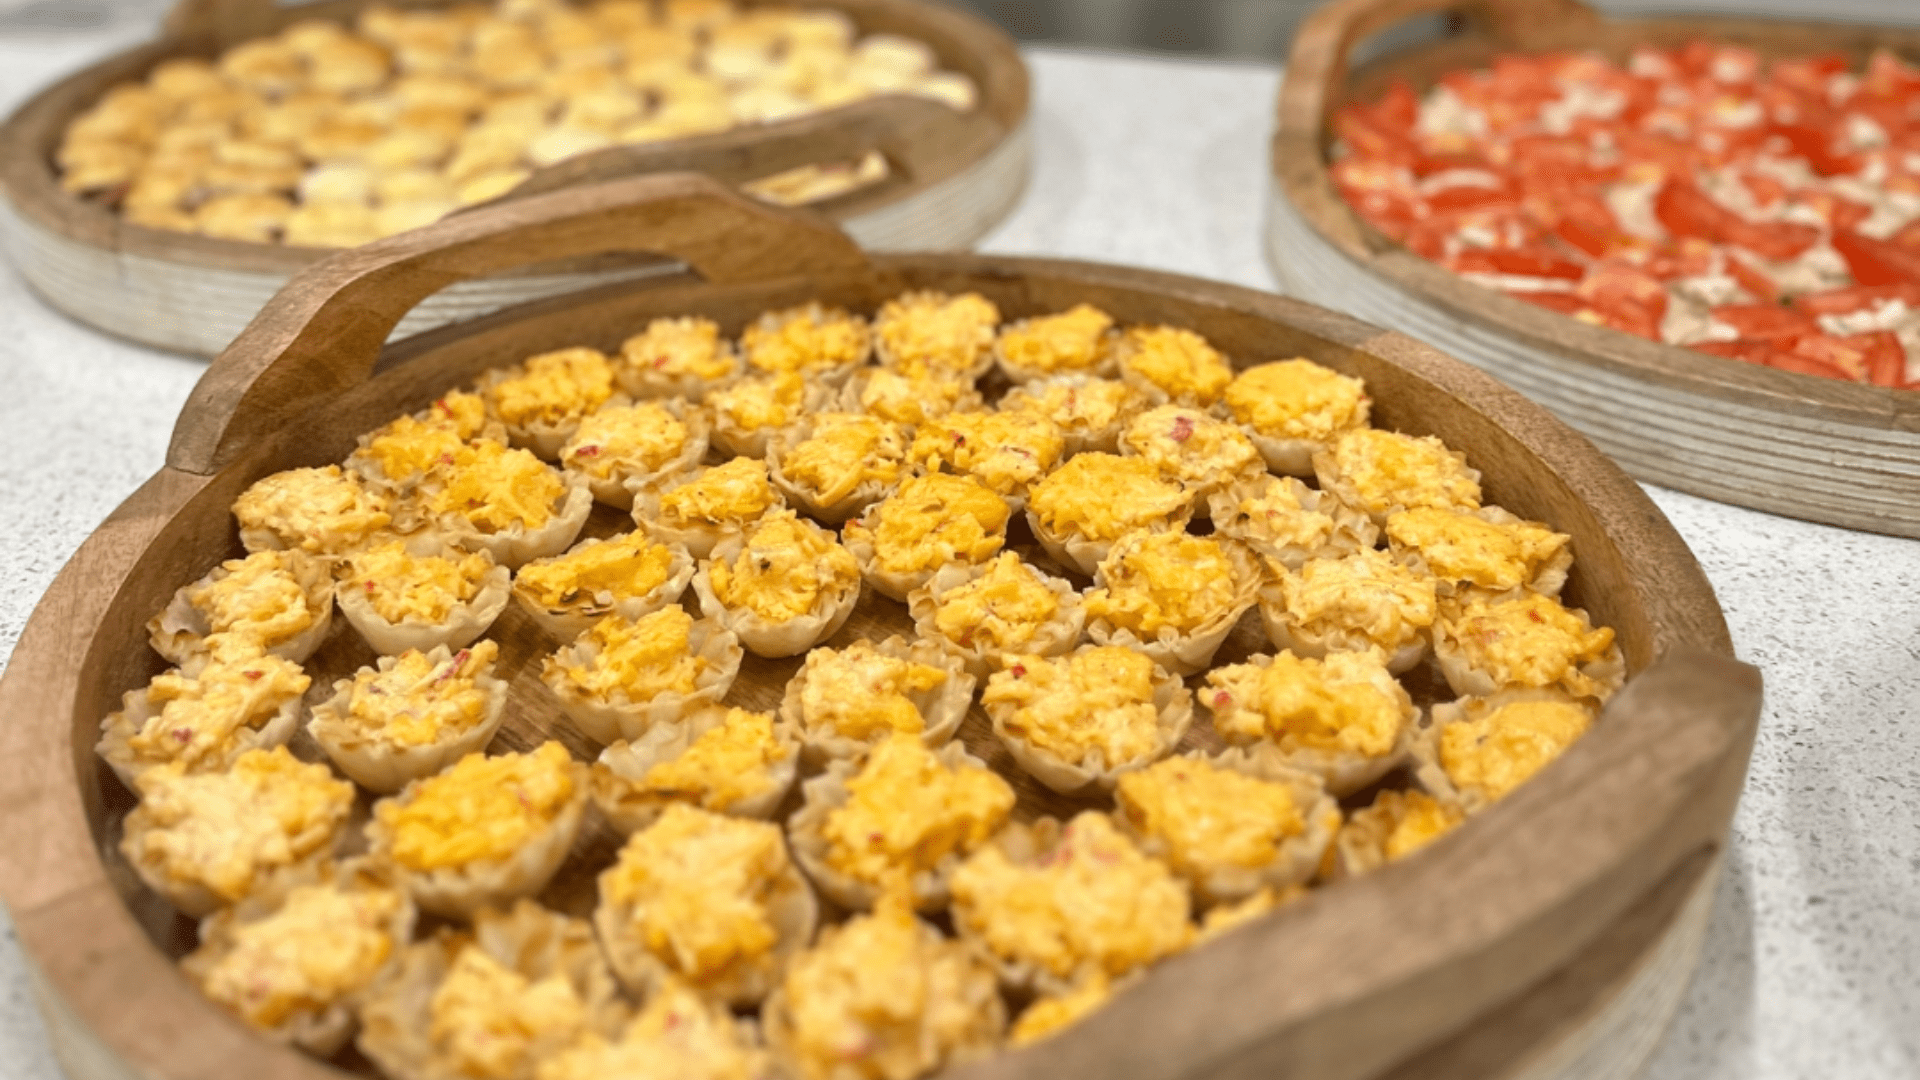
(446, 459)
(1183, 429)
(959, 440)
(253, 674)
(587, 451)
(1222, 699)
(184, 735)
(875, 838)
(1535, 616)
(1018, 670)
(660, 362)
(673, 1020)
(369, 588)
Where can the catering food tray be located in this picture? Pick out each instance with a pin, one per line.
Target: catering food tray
(1550, 936)
(949, 175)
(1821, 449)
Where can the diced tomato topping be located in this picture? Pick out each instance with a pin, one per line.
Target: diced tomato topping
(1809, 74)
(1877, 358)
(1838, 211)
(1765, 322)
(1524, 262)
(1684, 256)
(1752, 278)
(1856, 298)
(1907, 236)
(1583, 220)
(1629, 297)
(1460, 198)
(1816, 145)
(1876, 262)
(1765, 189)
(1368, 137)
(1888, 76)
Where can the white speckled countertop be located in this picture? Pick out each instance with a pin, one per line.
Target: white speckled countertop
(1810, 963)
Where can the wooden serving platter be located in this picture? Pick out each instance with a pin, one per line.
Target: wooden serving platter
(951, 177)
(1550, 937)
(1820, 449)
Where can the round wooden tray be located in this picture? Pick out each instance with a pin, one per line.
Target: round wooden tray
(951, 177)
(1799, 445)
(1557, 928)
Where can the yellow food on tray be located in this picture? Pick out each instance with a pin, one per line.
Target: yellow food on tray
(809, 340)
(405, 450)
(1050, 1015)
(1297, 399)
(841, 456)
(1382, 471)
(1079, 339)
(906, 813)
(678, 1034)
(727, 765)
(1099, 699)
(932, 333)
(1167, 581)
(758, 405)
(623, 567)
(1002, 609)
(483, 809)
(1189, 446)
(327, 511)
(1486, 747)
(1104, 497)
(685, 356)
(1174, 364)
(552, 388)
(1490, 552)
(1523, 639)
(863, 693)
(400, 586)
(492, 488)
(731, 494)
(929, 522)
(784, 570)
(418, 701)
(200, 718)
(1004, 451)
(484, 1013)
(909, 399)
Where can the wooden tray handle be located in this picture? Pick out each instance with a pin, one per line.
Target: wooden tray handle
(322, 333)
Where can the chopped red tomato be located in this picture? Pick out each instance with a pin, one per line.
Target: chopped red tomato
(1582, 219)
(1522, 262)
(1765, 189)
(1765, 322)
(1907, 236)
(1751, 278)
(1876, 358)
(1372, 140)
(1816, 144)
(1888, 76)
(1685, 210)
(1684, 256)
(1876, 262)
(1460, 198)
(1809, 74)
(1838, 211)
(1630, 297)
(1856, 298)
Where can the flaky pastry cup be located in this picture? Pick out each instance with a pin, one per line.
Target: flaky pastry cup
(959, 395)
(458, 891)
(1173, 703)
(1549, 577)
(624, 763)
(733, 440)
(1019, 374)
(1290, 539)
(178, 631)
(396, 1015)
(807, 839)
(698, 537)
(576, 618)
(1361, 845)
(793, 910)
(1084, 553)
(383, 768)
(1602, 676)
(1081, 434)
(762, 636)
(859, 537)
(833, 377)
(543, 437)
(1287, 632)
(517, 544)
(1341, 486)
(1055, 637)
(610, 718)
(942, 708)
(613, 478)
(1297, 858)
(466, 621)
(1342, 771)
(117, 730)
(1186, 652)
(320, 1029)
(1427, 767)
(810, 502)
(644, 381)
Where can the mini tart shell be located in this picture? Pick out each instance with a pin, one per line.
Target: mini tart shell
(1360, 846)
(611, 719)
(1286, 634)
(1286, 456)
(1081, 553)
(1609, 671)
(1106, 367)
(732, 440)
(179, 631)
(761, 636)
(1056, 637)
(1173, 703)
(624, 763)
(699, 538)
(384, 769)
(1186, 652)
(858, 537)
(1080, 439)
(803, 499)
(1298, 856)
(516, 544)
(942, 708)
(466, 621)
(1548, 578)
(642, 383)
(458, 892)
(320, 1032)
(1426, 743)
(543, 437)
(1333, 481)
(793, 910)
(833, 377)
(196, 900)
(848, 397)
(1352, 530)
(1343, 772)
(617, 488)
(570, 622)
(395, 1015)
(136, 708)
(806, 835)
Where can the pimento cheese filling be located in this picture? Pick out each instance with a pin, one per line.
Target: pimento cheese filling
(935, 520)
(758, 404)
(325, 510)
(678, 1034)
(1500, 749)
(401, 586)
(1342, 703)
(419, 702)
(1078, 339)
(626, 566)
(641, 438)
(1297, 399)
(1076, 404)
(553, 388)
(487, 1019)
(1367, 593)
(1000, 610)
(322, 944)
(1189, 446)
(1460, 546)
(785, 569)
(806, 340)
(1181, 363)
(638, 659)
(1387, 470)
(930, 333)
(196, 711)
(907, 810)
(259, 598)
(1209, 817)
(685, 346)
(908, 399)
(731, 494)
(1526, 640)
(483, 809)
(862, 693)
(1155, 581)
(1105, 496)
(841, 452)
(1050, 1015)
(494, 488)
(1005, 451)
(727, 764)
(1099, 699)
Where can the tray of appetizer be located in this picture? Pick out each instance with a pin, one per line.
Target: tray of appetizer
(1697, 240)
(164, 194)
(825, 664)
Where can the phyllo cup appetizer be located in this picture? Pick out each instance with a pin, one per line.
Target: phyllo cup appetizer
(1231, 824)
(399, 455)
(883, 996)
(907, 399)
(1475, 751)
(1383, 471)
(543, 399)
(625, 446)
(697, 510)
(1052, 904)
(1083, 719)
(419, 594)
(494, 1002)
(1191, 447)
(505, 502)
(844, 701)
(1343, 718)
(729, 761)
(1078, 341)
(824, 344)
(1396, 825)
(629, 575)
(486, 832)
(783, 586)
(1173, 596)
(1487, 549)
(678, 1034)
(1007, 451)
(903, 813)
(411, 715)
(1487, 642)
(1051, 1014)
(683, 358)
(1089, 411)
(1167, 363)
(1084, 506)
(1224, 918)
(708, 899)
(1366, 600)
(324, 511)
(204, 715)
(281, 601)
(623, 678)
(1293, 409)
(1287, 522)
(834, 465)
(293, 966)
(207, 840)
(748, 414)
(929, 522)
(981, 613)
(934, 333)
